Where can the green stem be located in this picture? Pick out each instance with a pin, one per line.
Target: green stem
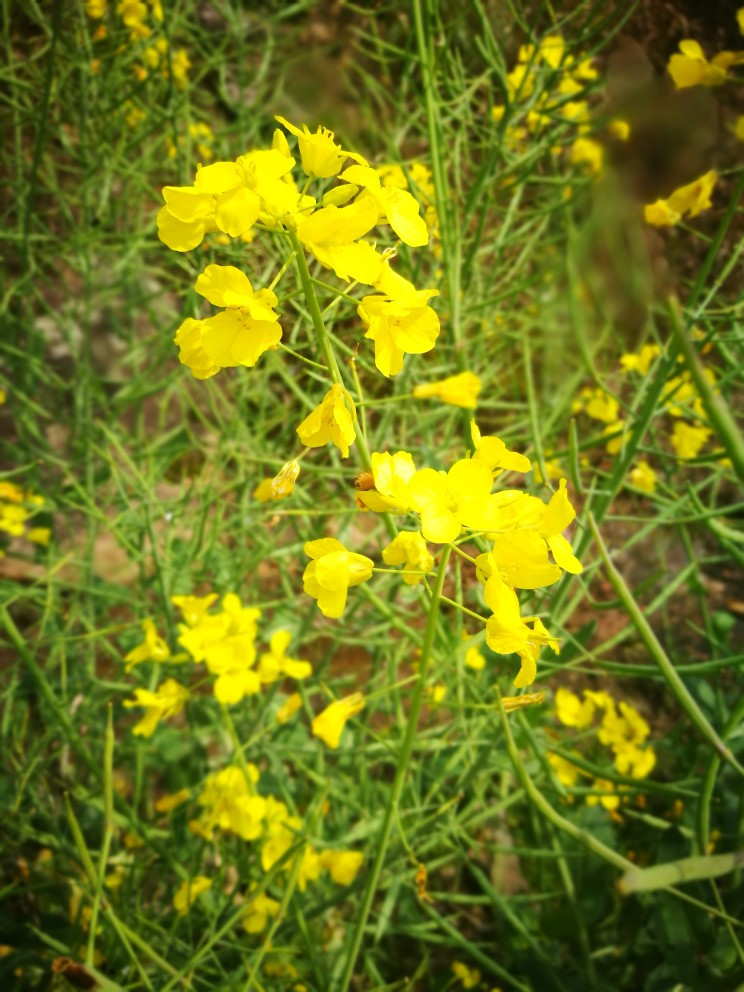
(314, 307)
(400, 775)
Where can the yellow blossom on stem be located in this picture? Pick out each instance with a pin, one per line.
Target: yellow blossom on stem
(571, 711)
(274, 663)
(321, 156)
(507, 631)
(566, 772)
(188, 892)
(391, 475)
(153, 648)
(168, 700)
(558, 515)
(170, 802)
(194, 608)
(394, 205)
(399, 321)
(494, 452)
(330, 421)
(259, 908)
(589, 154)
(468, 977)
(329, 724)
(40, 535)
(231, 803)
(457, 390)
(331, 571)
(288, 708)
(643, 477)
(446, 501)
(611, 801)
(690, 67)
(343, 866)
(642, 361)
(331, 235)
(408, 548)
(687, 201)
(688, 439)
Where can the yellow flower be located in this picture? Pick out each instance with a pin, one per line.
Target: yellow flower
(331, 234)
(310, 868)
(468, 977)
(571, 711)
(288, 708)
(521, 559)
(457, 390)
(588, 153)
(167, 803)
(566, 772)
(391, 475)
(641, 362)
(194, 608)
(95, 9)
(448, 500)
(557, 516)
(393, 204)
(40, 535)
(167, 700)
(597, 404)
(511, 703)
(188, 892)
(231, 804)
(258, 910)
(281, 831)
(619, 129)
(691, 68)
(238, 335)
(688, 439)
(13, 519)
(409, 548)
(553, 470)
(343, 865)
(329, 724)
(643, 477)
(153, 648)
(330, 573)
(495, 453)
(507, 631)
(274, 663)
(280, 486)
(399, 321)
(474, 659)
(611, 801)
(330, 421)
(180, 65)
(321, 156)
(688, 201)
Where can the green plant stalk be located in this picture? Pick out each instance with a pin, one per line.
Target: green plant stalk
(718, 412)
(400, 775)
(679, 689)
(108, 830)
(314, 307)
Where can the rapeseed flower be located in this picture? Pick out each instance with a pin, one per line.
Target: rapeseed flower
(394, 205)
(398, 321)
(494, 452)
(259, 908)
(688, 439)
(343, 866)
(153, 648)
(391, 475)
(166, 701)
(456, 390)
(329, 724)
(288, 708)
(571, 711)
(447, 501)
(507, 632)
(642, 361)
(170, 802)
(690, 67)
(332, 234)
(687, 201)
(331, 421)
(232, 804)
(643, 477)
(330, 573)
(274, 663)
(469, 978)
(408, 548)
(188, 892)
(321, 156)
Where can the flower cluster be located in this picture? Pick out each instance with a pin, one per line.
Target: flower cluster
(18, 507)
(334, 227)
(621, 729)
(142, 21)
(680, 400)
(524, 534)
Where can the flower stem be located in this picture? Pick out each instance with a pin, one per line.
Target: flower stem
(312, 303)
(401, 770)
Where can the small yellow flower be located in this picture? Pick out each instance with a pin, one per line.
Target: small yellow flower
(468, 977)
(447, 501)
(408, 548)
(642, 361)
(691, 68)
(474, 659)
(494, 452)
(571, 711)
(643, 477)
(288, 709)
(687, 201)
(343, 865)
(259, 909)
(457, 390)
(331, 421)
(329, 724)
(566, 772)
(321, 156)
(610, 801)
(188, 892)
(330, 573)
(153, 648)
(274, 663)
(167, 803)
(688, 439)
(588, 153)
(168, 700)
(391, 475)
(40, 535)
(619, 129)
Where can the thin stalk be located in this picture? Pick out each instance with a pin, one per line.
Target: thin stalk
(401, 770)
